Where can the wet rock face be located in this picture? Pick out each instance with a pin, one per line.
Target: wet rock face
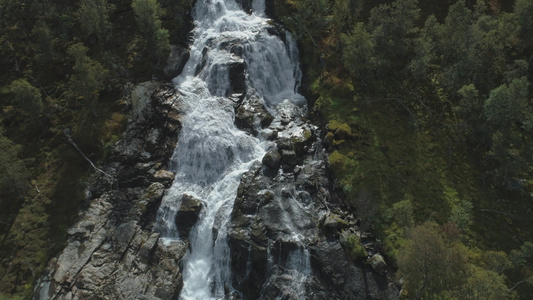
(251, 115)
(187, 214)
(285, 226)
(272, 159)
(111, 251)
(246, 5)
(378, 263)
(176, 61)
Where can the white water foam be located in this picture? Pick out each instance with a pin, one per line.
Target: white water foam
(212, 154)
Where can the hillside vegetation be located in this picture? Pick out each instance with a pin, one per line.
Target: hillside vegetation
(65, 65)
(429, 124)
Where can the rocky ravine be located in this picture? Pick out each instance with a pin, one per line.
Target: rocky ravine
(113, 252)
(288, 235)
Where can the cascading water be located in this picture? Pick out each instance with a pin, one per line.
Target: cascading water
(212, 154)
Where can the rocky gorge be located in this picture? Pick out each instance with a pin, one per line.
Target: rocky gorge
(284, 233)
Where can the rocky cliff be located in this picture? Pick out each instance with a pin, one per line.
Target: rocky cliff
(112, 252)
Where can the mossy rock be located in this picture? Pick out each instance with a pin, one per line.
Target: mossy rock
(352, 245)
(343, 132)
(335, 222)
(337, 163)
(338, 142)
(328, 139)
(333, 126)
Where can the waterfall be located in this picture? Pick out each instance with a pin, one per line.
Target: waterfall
(212, 154)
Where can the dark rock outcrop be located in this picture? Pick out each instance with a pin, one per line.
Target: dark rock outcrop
(378, 263)
(176, 61)
(285, 226)
(251, 115)
(111, 251)
(246, 5)
(272, 159)
(187, 214)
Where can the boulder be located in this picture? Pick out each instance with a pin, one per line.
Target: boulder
(150, 198)
(153, 193)
(272, 159)
(140, 97)
(284, 143)
(176, 60)
(302, 141)
(335, 222)
(378, 263)
(337, 271)
(237, 77)
(289, 157)
(165, 177)
(251, 114)
(244, 119)
(187, 214)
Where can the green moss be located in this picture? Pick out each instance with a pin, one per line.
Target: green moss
(308, 134)
(353, 247)
(337, 162)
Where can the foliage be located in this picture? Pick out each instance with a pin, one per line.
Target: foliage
(391, 26)
(155, 38)
(441, 114)
(13, 173)
(359, 54)
(469, 107)
(27, 96)
(88, 75)
(523, 10)
(402, 213)
(342, 15)
(429, 265)
(353, 247)
(43, 36)
(508, 105)
(496, 261)
(510, 119)
(94, 18)
(425, 46)
(461, 215)
(483, 284)
(64, 65)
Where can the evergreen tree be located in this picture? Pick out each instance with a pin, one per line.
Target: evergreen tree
(426, 58)
(392, 28)
(358, 54)
(43, 37)
(94, 18)
(13, 173)
(147, 15)
(26, 96)
(88, 76)
(509, 119)
(523, 10)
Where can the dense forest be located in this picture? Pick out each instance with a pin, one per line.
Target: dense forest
(427, 111)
